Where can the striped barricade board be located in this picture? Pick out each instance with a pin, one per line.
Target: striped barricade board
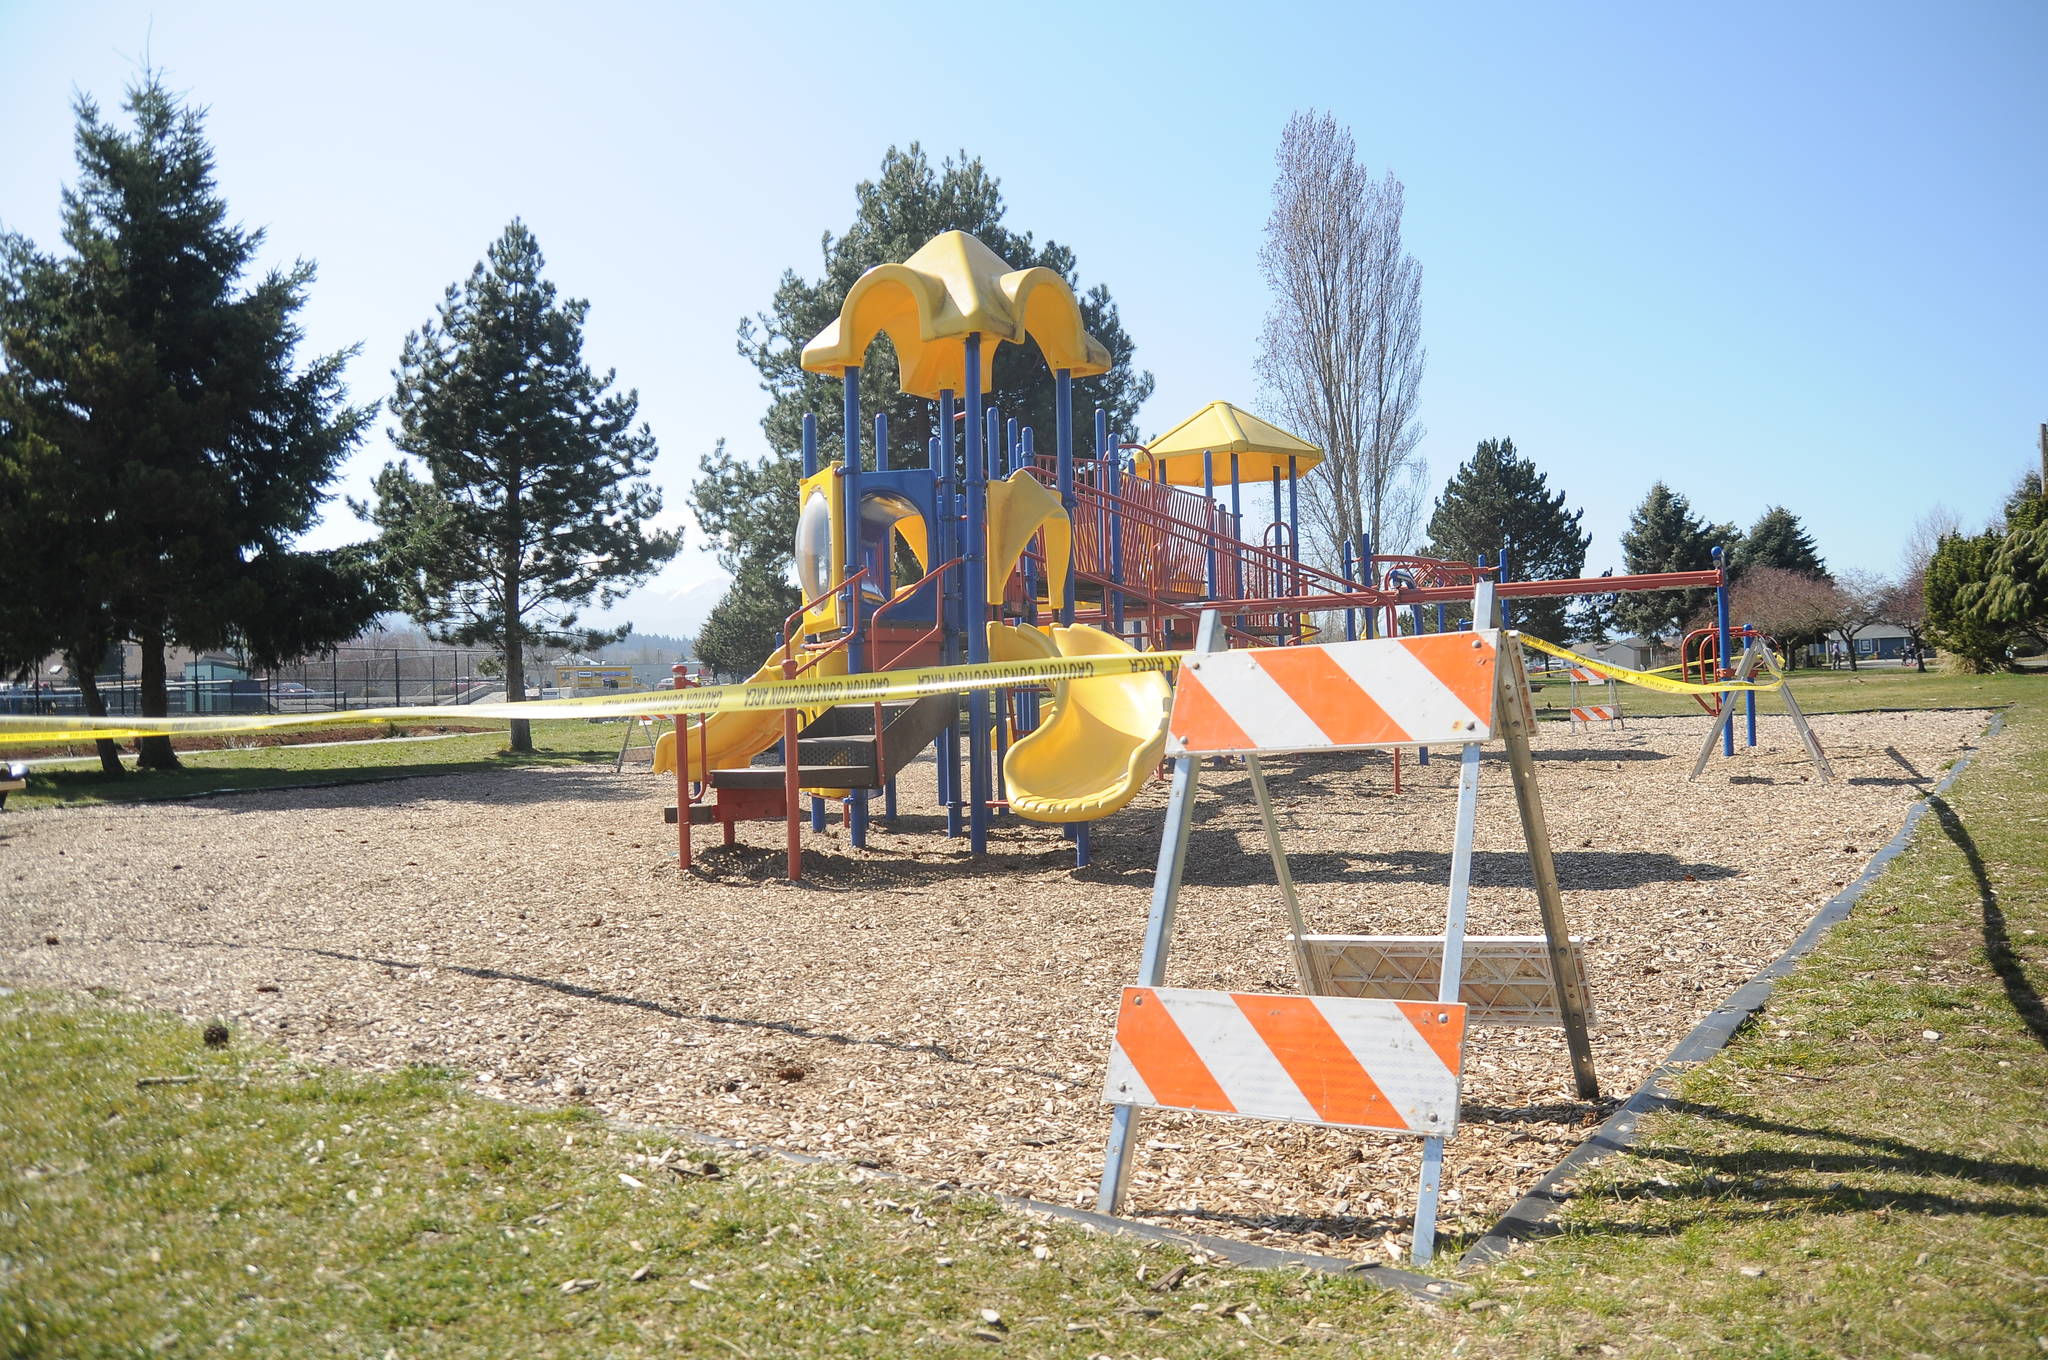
(1436, 689)
(1592, 713)
(1365, 1064)
(1506, 979)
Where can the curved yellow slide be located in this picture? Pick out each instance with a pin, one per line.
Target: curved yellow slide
(1102, 740)
(733, 739)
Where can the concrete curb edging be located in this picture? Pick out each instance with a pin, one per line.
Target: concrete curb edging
(1532, 1214)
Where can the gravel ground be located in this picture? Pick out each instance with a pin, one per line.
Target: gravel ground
(910, 1009)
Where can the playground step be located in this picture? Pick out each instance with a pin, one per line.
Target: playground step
(809, 776)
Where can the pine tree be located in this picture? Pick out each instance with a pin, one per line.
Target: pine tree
(1664, 535)
(1779, 540)
(166, 448)
(531, 507)
(753, 503)
(734, 639)
(1956, 619)
(1498, 501)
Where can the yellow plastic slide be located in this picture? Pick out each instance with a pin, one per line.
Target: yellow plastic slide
(734, 739)
(1100, 743)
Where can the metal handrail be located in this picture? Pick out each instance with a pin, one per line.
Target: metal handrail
(905, 594)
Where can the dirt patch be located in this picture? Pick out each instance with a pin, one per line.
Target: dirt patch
(910, 1008)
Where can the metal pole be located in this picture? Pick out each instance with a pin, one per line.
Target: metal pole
(975, 483)
(951, 602)
(856, 660)
(1116, 521)
(810, 447)
(1749, 697)
(1209, 509)
(1063, 452)
(1173, 854)
(1350, 614)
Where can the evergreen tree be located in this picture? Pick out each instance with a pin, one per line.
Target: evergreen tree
(1956, 618)
(1664, 535)
(531, 507)
(753, 503)
(165, 449)
(1779, 540)
(743, 628)
(1497, 501)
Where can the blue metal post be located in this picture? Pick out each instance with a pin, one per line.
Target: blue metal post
(856, 661)
(1237, 533)
(1350, 615)
(1113, 474)
(1209, 495)
(940, 549)
(1749, 696)
(1506, 610)
(886, 555)
(975, 483)
(1721, 648)
(1063, 452)
(1363, 557)
(810, 443)
(950, 601)
(1027, 457)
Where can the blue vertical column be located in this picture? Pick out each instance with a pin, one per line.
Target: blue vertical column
(1749, 696)
(1507, 615)
(974, 482)
(1112, 472)
(951, 603)
(1063, 453)
(856, 658)
(939, 548)
(1362, 555)
(997, 451)
(1721, 647)
(1350, 615)
(1209, 509)
(810, 466)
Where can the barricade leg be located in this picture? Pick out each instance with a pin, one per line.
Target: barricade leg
(1173, 855)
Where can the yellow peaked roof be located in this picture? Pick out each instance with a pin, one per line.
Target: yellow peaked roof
(953, 287)
(1262, 448)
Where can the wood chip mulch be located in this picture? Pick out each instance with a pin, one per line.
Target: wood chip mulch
(911, 1009)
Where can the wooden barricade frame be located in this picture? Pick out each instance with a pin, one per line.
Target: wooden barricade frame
(1608, 710)
(1342, 696)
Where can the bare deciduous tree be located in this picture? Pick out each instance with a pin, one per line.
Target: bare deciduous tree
(1859, 602)
(1341, 354)
(1791, 606)
(1904, 605)
(1936, 524)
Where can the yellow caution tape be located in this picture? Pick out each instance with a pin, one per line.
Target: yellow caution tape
(1647, 679)
(820, 692)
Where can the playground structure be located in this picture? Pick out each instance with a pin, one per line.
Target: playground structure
(989, 547)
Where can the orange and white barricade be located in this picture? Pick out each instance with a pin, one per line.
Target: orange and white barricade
(1602, 703)
(1361, 1049)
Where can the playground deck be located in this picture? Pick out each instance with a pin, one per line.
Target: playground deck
(950, 1020)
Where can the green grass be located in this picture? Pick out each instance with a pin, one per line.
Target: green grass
(1887, 686)
(555, 743)
(1836, 1184)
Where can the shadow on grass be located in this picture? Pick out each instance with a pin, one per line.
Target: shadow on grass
(1998, 950)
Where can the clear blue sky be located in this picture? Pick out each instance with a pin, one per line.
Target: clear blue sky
(1783, 253)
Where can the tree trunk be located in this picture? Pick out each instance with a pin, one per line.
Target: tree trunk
(95, 707)
(519, 732)
(153, 694)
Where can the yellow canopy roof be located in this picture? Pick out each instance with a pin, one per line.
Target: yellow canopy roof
(1262, 448)
(953, 287)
